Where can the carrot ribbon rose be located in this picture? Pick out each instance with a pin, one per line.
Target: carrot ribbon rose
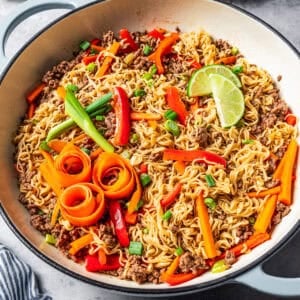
(82, 204)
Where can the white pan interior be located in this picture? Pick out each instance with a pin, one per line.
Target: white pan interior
(259, 45)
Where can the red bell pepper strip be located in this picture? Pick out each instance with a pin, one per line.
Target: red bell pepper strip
(229, 60)
(170, 197)
(33, 95)
(93, 264)
(91, 58)
(291, 119)
(175, 279)
(117, 218)
(207, 157)
(176, 104)
(162, 49)
(195, 64)
(122, 110)
(126, 36)
(143, 168)
(156, 34)
(131, 218)
(95, 42)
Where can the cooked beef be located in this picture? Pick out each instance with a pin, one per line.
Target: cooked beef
(280, 109)
(224, 46)
(173, 64)
(281, 211)
(174, 228)
(105, 233)
(203, 137)
(230, 258)
(110, 122)
(23, 199)
(141, 62)
(272, 164)
(154, 277)
(244, 232)
(137, 271)
(138, 36)
(189, 263)
(280, 152)
(40, 223)
(272, 183)
(107, 38)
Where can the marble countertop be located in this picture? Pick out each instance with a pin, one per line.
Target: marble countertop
(282, 15)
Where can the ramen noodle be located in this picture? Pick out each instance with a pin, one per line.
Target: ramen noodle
(167, 193)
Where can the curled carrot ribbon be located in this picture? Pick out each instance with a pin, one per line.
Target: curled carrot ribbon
(82, 204)
(117, 178)
(72, 166)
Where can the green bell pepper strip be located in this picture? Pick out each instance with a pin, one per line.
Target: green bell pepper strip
(99, 106)
(74, 109)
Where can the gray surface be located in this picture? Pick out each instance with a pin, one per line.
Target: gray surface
(282, 15)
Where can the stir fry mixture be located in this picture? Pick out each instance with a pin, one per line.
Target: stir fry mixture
(156, 156)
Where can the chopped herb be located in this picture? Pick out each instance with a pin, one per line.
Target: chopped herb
(145, 179)
(135, 248)
(210, 203)
(50, 239)
(167, 215)
(170, 115)
(179, 251)
(172, 127)
(210, 180)
(139, 93)
(147, 50)
(84, 45)
(237, 69)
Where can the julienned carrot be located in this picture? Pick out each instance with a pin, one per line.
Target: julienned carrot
(209, 244)
(271, 191)
(108, 60)
(173, 266)
(61, 92)
(97, 48)
(102, 256)
(81, 242)
(278, 172)
(179, 165)
(95, 153)
(31, 110)
(171, 196)
(57, 145)
(138, 116)
(82, 204)
(72, 165)
(265, 215)
(130, 218)
(32, 96)
(153, 124)
(229, 60)
(285, 195)
(163, 47)
(55, 213)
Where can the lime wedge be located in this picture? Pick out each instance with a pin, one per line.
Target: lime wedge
(199, 84)
(229, 100)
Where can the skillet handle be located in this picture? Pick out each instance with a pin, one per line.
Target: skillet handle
(25, 10)
(256, 278)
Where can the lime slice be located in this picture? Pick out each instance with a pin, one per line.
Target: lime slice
(199, 84)
(229, 100)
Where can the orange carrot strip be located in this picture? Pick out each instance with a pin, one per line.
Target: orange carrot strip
(31, 110)
(153, 124)
(130, 218)
(95, 153)
(278, 172)
(102, 256)
(171, 197)
(285, 195)
(108, 60)
(57, 145)
(173, 266)
(209, 244)
(138, 116)
(79, 138)
(72, 165)
(125, 182)
(61, 92)
(97, 48)
(163, 47)
(80, 243)
(82, 204)
(179, 165)
(32, 96)
(229, 60)
(265, 215)
(271, 191)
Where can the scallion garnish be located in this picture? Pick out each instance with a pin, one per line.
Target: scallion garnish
(237, 69)
(210, 180)
(84, 45)
(171, 115)
(147, 50)
(248, 141)
(135, 248)
(50, 239)
(210, 203)
(179, 251)
(172, 127)
(167, 215)
(139, 93)
(145, 179)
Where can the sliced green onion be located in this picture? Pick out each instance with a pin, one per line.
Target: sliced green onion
(237, 69)
(147, 76)
(44, 146)
(139, 93)
(135, 248)
(145, 179)
(146, 230)
(167, 215)
(100, 118)
(147, 50)
(50, 239)
(252, 220)
(126, 154)
(210, 202)
(86, 150)
(91, 67)
(178, 251)
(245, 142)
(139, 205)
(170, 115)
(234, 50)
(134, 138)
(172, 127)
(72, 87)
(152, 71)
(84, 45)
(74, 109)
(210, 180)
(97, 105)
(219, 266)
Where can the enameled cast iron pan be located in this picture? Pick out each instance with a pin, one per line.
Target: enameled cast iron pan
(259, 43)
